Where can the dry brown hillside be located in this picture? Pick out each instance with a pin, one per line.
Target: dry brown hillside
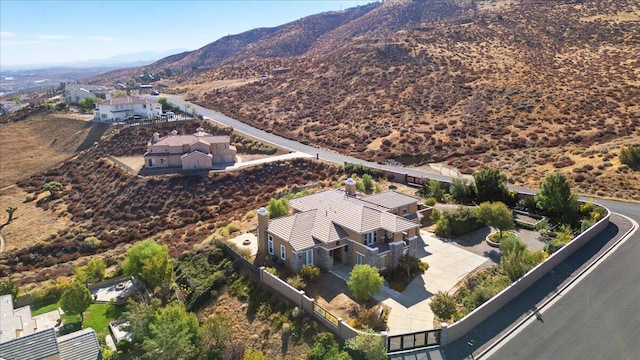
(553, 79)
(39, 140)
(531, 87)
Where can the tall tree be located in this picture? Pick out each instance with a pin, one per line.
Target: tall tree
(173, 334)
(150, 262)
(364, 281)
(434, 188)
(140, 315)
(490, 185)
(556, 200)
(461, 191)
(496, 214)
(76, 299)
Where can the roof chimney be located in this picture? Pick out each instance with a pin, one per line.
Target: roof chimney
(156, 137)
(174, 133)
(350, 187)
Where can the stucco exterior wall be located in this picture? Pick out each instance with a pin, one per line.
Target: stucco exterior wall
(196, 161)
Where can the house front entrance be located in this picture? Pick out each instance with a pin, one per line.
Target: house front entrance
(340, 255)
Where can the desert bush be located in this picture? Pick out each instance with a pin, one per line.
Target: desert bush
(373, 318)
(297, 282)
(234, 226)
(91, 243)
(309, 272)
(630, 156)
(443, 305)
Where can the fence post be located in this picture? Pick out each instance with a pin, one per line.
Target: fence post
(340, 328)
(443, 333)
(301, 292)
(385, 339)
(261, 274)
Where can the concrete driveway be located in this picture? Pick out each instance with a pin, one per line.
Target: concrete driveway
(448, 264)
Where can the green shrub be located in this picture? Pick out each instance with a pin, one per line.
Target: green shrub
(443, 305)
(360, 169)
(411, 265)
(443, 227)
(367, 182)
(297, 282)
(254, 355)
(435, 215)
(630, 156)
(457, 223)
(373, 318)
(91, 242)
(430, 201)
(425, 266)
(309, 272)
(233, 227)
(240, 287)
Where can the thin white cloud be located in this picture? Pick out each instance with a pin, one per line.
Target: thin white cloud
(7, 34)
(21, 42)
(54, 37)
(100, 38)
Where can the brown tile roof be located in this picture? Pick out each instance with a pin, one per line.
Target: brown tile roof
(324, 217)
(313, 201)
(179, 140)
(391, 199)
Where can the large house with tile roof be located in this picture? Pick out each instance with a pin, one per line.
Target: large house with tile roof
(121, 108)
(336, 226)
(189, 152)
(34, 338)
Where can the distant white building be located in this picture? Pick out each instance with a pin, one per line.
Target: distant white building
(76, 92)
(119, 109)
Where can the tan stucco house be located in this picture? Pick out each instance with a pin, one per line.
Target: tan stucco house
(121, 108)
(199, 151)
(340, 226)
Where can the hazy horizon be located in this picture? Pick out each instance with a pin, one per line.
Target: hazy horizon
(47, 33)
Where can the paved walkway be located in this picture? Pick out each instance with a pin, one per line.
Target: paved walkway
(448, 264)
(292, 155)
(252, 244)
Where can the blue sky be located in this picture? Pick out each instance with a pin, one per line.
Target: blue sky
(53, 32)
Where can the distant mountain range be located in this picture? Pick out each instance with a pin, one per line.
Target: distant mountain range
(118, 61)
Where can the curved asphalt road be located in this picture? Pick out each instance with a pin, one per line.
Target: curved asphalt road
(597, 319)
(324, 154)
